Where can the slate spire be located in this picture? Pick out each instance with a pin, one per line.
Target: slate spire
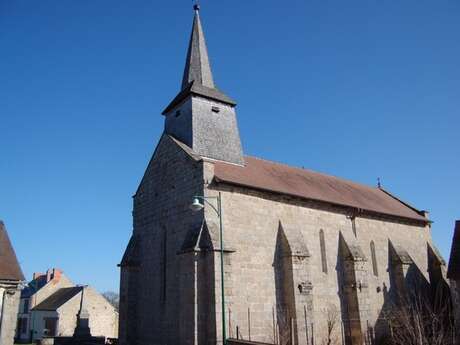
(201, 116)
(197, 66)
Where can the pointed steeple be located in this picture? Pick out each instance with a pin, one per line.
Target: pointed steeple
(201, 116)
(197, 66)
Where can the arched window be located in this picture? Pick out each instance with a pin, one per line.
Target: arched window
(374, 259)
(322, 244)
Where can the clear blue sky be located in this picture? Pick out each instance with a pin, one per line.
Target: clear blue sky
(358, 89)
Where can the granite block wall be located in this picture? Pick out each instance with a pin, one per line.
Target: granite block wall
(9, 306)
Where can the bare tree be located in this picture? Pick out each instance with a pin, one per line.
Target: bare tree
(332, 322)
(112, 298)
(421, 320)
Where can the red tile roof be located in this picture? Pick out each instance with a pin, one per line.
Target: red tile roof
(454, 261)
(279, 178)
(9, 266)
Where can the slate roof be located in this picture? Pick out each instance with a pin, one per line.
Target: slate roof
(59, 298)
(9, 265)
(195, 88)
(453, 271)
(33, 286)
(197, 66)
(197, 78)
(283, 179)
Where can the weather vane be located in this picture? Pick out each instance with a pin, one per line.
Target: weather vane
(196, 5)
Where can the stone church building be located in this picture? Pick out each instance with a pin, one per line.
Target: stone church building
(300, 248)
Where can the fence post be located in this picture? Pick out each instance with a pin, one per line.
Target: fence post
(342, 332)
(279, 333)
(312, 334)
(237, 333)
(230, 322)
(306, 324)
(249, 323)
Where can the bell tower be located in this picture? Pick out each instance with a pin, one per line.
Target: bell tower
(202, 116)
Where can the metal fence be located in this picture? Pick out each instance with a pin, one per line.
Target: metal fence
(284, 331)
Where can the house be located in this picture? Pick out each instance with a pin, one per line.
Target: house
(267, 250)
(11, 279)
(37, 290)
(56, 316)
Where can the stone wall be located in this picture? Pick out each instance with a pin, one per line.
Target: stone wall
(165, 309)
(9, 304)
(251, 223)
(455, 291)
(275, 287)
(103, 318)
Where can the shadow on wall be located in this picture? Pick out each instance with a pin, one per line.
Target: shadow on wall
(284, 286)
(414, 307)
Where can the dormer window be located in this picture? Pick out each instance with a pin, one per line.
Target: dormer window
(215, 109)
(177, 114)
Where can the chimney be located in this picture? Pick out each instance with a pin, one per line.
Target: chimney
(37, 275)
(54, 273)
(425, 214)
(57, 274)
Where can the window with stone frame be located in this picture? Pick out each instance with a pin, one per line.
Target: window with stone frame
(374, 260)
(322, 244)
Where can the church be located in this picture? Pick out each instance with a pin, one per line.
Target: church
(227, 246)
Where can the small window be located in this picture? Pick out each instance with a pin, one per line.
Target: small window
(177, 113)
(215, 109)
(322, 244)
(374, 259)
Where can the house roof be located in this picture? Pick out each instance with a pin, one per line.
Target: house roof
(33, 286)
(59, 298)
(9, 265)
(453, 271)
(283, 179)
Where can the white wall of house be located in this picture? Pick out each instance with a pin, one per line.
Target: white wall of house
(47, 290)
(37, 322)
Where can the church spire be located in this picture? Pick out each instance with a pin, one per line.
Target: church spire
(197, 66)
(201, 116)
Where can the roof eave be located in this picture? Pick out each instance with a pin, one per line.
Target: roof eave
(216, 95)
(370, 212)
